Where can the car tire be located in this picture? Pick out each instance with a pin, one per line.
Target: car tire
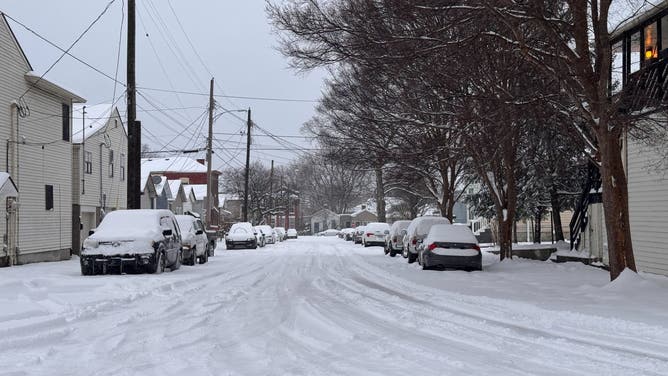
(159, 266)
(393, 253)
(87, 270)
(193, 257)
(411, 257)
(178, 262)
(204, 258)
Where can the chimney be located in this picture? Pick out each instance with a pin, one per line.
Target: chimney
(202, 161)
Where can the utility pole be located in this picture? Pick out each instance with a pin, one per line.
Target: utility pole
(248, 143)
(134, 127)
(209, 188)
(271, 191)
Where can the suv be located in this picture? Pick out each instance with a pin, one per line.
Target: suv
(195, 243)
(133, 240)
(394, 242)
(416, 232)
(241, 234)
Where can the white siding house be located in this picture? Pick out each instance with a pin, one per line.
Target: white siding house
(99, 161)
(36, 122)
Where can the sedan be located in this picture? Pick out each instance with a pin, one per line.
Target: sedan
(450, 246)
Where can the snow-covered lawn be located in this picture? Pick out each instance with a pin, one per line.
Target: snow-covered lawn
(316, 306)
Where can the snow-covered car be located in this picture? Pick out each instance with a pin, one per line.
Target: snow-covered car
(358, 234)
(259, 235)
(347, 233)
(133, 240)
(269, 234)
(394, 240)
(330, 232)
(450, 246)
(416, 231)
(375, 233)
(194, 242)
(291, 233)
(241, 234)
(280, 232)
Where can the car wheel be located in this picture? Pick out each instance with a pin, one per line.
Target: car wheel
(177, 263)
(393, 253)
(159, 266)
(204, 258)
(87, 270)
(411, 257)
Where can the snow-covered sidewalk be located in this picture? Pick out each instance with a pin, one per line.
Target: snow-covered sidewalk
(316, 306)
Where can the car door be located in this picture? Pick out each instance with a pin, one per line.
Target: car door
(167, 222)
(201, 239)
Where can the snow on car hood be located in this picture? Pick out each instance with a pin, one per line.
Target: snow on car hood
(125, 232)
(239, 234)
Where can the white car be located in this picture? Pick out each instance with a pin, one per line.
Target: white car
(291, 233)
(330, 232)
(450, 246)
(417, 230)
(280, 231)
(146, 239)
(261, 238)
(394, 242)
(358, 234)
(194, 243)
(375, 233)
(269, 234)
(241, 234)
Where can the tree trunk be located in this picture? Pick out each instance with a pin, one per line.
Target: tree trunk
(537, 228)
(615, 204)
(505, 237)
(556, 214)
(380, 195)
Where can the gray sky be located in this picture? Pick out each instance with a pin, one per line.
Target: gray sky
(233, 38)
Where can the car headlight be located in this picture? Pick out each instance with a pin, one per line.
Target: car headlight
(91, 243)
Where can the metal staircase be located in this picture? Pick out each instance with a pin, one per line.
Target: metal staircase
(590, 194)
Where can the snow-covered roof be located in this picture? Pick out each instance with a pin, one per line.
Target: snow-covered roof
(174, 186)
(95, 119)
(199, 190)
(172, 164)
(627, 14)
(40, 82)
(159, 187)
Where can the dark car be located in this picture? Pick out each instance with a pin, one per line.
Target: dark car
(451, 247)
(241, 234)
(133, 240)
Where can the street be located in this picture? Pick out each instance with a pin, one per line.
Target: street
(321, 306)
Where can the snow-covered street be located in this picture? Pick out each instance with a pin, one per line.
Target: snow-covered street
(316, 306)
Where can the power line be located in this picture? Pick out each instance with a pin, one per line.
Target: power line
(272, 99)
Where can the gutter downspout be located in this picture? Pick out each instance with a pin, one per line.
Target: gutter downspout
(13, 170)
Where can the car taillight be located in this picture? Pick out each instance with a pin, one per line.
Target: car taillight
(394, 239)
(369, 234)
(476, 247)
(414, 241)
(432, 246)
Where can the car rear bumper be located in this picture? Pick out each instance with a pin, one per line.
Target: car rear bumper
(102, 264)
(244, 244)
(456, 262)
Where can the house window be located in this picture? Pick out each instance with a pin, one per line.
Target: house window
(111, 163)
(617, 71)
(651, 50)
(66, 122)
(635, 53)
(88, 162)
(122, 166)
(48, 196)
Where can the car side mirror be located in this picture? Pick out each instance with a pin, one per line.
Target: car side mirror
(199, 232)
(387, 232)
(167, 232)
(91, 232)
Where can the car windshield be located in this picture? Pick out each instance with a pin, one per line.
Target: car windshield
(129, 223)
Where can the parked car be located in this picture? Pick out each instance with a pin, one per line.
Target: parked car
(450, 246)
(269, 234)
(194, 242)
(291, 233)
(347, 233)
(133, 240)
(330, 232)
(416, 231)
(281, 232)
(357, 235)
(375, 233)
(261, 238)
(242, 235)
(394, 241)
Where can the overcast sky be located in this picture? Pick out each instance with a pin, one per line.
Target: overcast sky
(233, 38)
